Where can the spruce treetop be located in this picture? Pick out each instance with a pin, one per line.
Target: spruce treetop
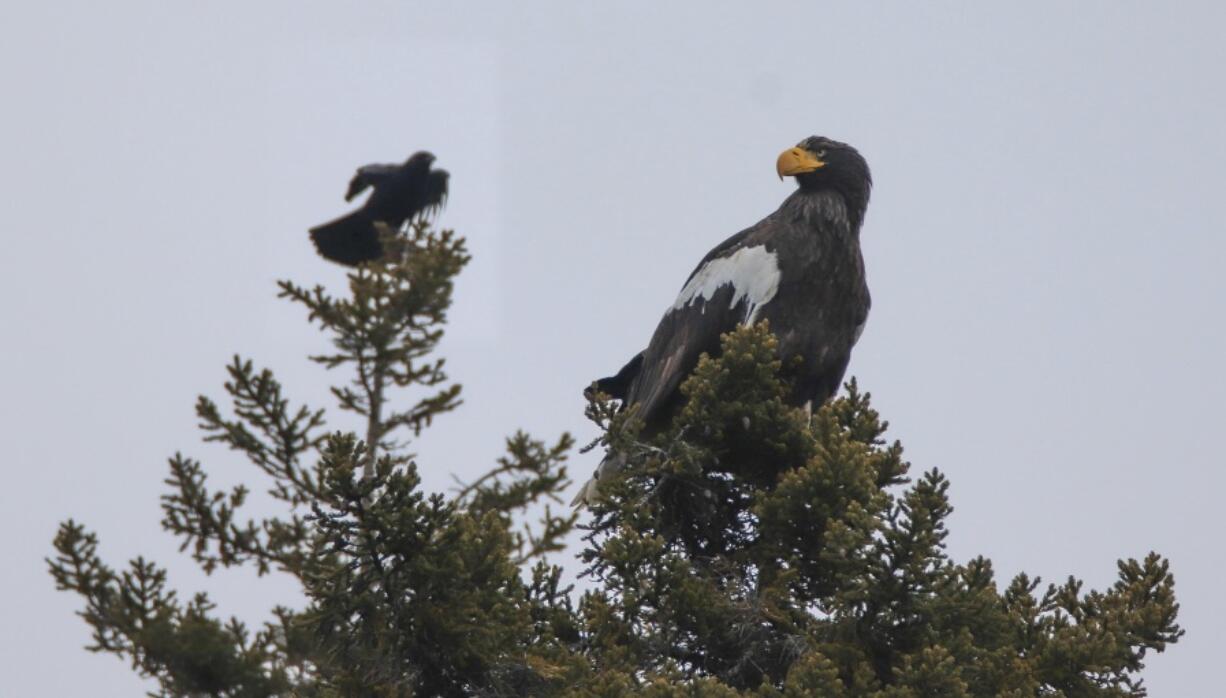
(750, 549)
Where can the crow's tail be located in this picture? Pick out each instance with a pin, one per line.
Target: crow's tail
(349, 240)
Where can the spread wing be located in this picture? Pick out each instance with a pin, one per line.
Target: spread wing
(434, 192)
(726, 290)
(370, 176)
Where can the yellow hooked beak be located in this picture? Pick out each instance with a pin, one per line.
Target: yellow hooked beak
(794, 161)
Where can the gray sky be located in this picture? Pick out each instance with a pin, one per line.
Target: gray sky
(1044, 247)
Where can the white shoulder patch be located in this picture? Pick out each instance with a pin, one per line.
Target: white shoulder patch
(753, 273)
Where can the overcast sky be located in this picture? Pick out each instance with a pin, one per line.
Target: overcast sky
(1044, 247)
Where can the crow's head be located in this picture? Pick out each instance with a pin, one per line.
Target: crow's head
(419, 161)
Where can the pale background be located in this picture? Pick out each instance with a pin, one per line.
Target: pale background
(1044, 247)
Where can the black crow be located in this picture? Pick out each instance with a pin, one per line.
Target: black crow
(399, 193)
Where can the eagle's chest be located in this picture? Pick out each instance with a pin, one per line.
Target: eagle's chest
(822, 301)
(819, 276)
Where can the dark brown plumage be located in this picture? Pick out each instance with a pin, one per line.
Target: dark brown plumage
(398, 193)
(800, 268)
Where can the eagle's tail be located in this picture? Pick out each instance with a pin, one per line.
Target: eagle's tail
(587, 493)
(610, 466)
(348, 240)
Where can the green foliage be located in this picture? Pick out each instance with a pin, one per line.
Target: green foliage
(133, 614)
(752, 549)
(387, 329)
(405, 593)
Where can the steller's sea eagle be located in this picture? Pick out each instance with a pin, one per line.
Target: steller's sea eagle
(398, 193)
(799, 268)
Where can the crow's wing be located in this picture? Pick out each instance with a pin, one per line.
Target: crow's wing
(434, 192)
(370, 176)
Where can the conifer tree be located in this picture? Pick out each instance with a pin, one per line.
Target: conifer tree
(407, 593)
(751, 549)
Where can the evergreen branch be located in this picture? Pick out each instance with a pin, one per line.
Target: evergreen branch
(207, 522)
(284, 435)
(134, 615)
(529, 473)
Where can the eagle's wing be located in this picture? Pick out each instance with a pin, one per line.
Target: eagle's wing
(617, 386)
(370, 176)
(726, 290)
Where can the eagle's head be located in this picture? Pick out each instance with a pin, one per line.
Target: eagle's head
(819, 163)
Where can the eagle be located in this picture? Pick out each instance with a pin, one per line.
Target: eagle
(800, 269)
(398, 193)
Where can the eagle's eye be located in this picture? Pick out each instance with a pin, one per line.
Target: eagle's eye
(821, 153)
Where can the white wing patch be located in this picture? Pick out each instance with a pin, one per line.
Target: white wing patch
(753, 273)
